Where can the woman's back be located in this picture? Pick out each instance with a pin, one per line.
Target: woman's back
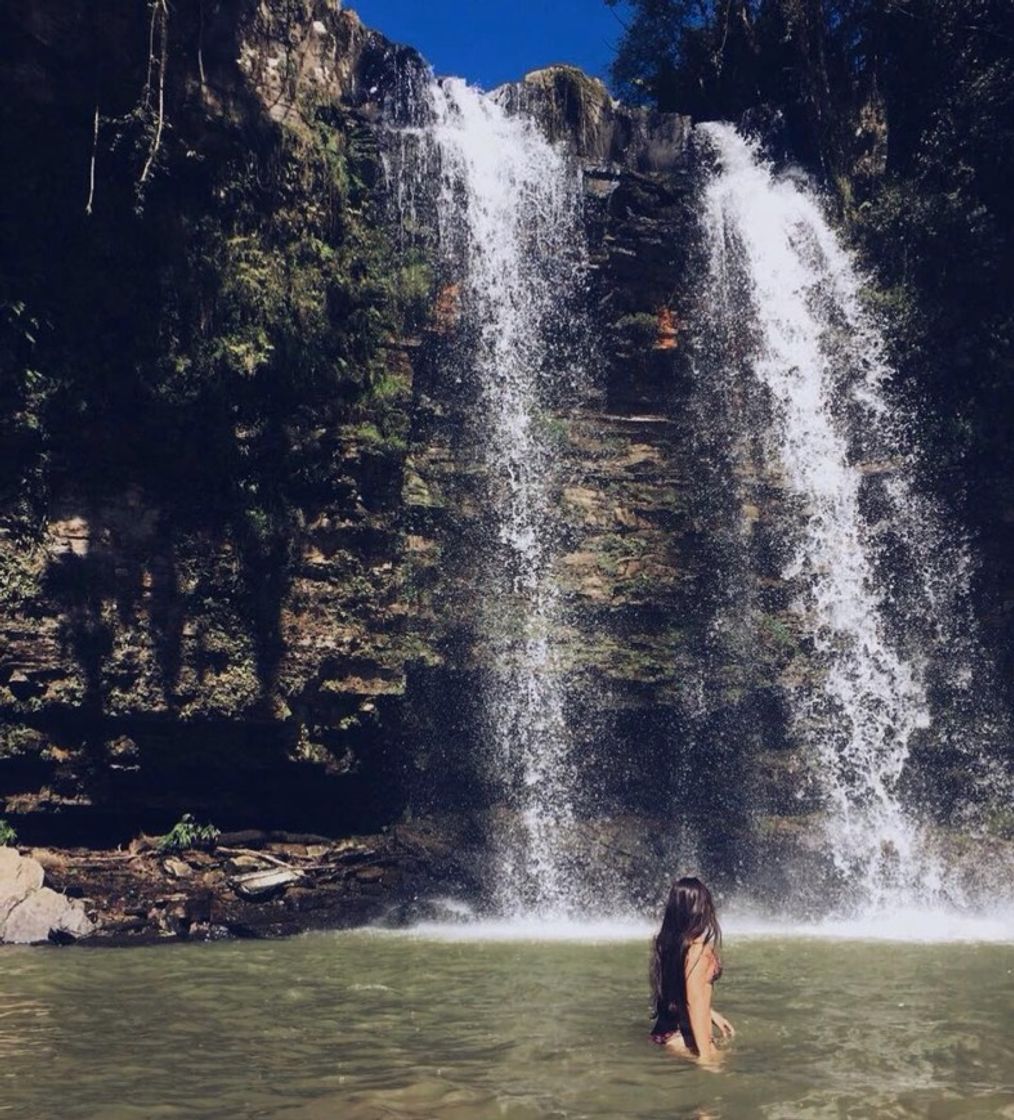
(673, 1015)
(685, 964)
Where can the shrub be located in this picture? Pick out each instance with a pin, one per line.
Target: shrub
(187, 833)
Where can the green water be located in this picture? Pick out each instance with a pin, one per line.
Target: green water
(367, 1026)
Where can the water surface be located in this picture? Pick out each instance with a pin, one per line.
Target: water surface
(365, 1026)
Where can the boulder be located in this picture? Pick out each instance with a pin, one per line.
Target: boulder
(30, 912)
(577, 109)
(19, 876)
(46, 915)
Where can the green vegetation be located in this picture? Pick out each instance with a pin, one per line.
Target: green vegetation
(298, 290)
(369, 436)
(554, 430)
(261, 290)
(213, 369)
(641, 328)
(20, 741)
(412, 287)
(187, 833)
(774, 632)
(25, 395)
(8, 837)
(19, 575)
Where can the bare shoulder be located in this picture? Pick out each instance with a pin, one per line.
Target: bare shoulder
(698, 951)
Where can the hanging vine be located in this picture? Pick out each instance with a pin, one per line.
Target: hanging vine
(158, 29)
(91, 166)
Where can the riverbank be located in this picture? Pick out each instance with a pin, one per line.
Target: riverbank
(259, 883)
(249, 884)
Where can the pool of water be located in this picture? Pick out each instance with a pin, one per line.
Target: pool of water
(373, 1026)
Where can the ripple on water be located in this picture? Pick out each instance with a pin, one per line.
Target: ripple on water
(367, 1026)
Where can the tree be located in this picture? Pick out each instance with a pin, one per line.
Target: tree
(718, 58)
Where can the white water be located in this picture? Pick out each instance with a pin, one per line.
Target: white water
(785, 297)
(509, 225)
(784, 302)
(904, 925)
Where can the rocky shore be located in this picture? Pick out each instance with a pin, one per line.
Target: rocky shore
(249, 884)
(257, 883)
(262, 884)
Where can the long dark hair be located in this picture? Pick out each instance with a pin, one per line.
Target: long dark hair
(689, 914)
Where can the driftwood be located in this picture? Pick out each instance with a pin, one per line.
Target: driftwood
(256, 855)
(105, 859)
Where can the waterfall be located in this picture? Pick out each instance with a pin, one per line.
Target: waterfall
(879, 580)
(795, 371)
(509, 233)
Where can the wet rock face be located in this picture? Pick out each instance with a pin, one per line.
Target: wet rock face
(579, 110)
(160, 650)
(665, 718)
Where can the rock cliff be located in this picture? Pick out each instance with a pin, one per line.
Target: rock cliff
(235, 525)
(222, 567)
(202, 543)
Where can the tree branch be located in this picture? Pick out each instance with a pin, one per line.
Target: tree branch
(91, 168)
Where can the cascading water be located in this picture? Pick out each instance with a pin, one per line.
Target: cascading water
(508, 217)
(880, 589)
(880, 581)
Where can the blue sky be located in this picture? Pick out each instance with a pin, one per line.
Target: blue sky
(494, 41)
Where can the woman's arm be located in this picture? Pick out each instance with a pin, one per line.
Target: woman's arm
(698, 977)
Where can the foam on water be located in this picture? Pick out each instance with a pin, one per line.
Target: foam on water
(916, 925)
(906, 925)
(912, 925)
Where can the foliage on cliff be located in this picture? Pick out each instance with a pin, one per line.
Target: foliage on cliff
(197, 344)
(203, 415)
(197, 293)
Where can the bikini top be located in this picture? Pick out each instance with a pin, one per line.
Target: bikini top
(714, 965)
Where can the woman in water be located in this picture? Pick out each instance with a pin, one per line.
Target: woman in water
(684, 966)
